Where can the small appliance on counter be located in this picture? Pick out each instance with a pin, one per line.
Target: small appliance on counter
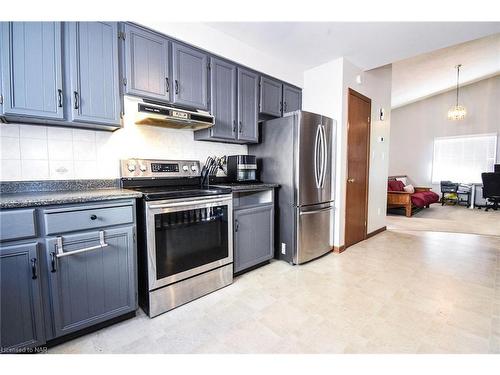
(242, 168)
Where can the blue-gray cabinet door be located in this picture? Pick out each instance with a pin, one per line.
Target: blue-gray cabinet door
(93, 64)
(190, 67)
(223, 94)
(253, 236)
(247, 106)
(32, 69)
(271, 100)
(20, 294)
(146, 64)
(92, 286)
(292, 98)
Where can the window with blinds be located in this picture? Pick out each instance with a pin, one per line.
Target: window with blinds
(463, 158)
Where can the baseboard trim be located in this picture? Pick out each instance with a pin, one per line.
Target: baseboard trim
(375, 232)
(338, 249)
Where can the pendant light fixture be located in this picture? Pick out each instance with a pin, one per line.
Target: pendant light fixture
(457, 112)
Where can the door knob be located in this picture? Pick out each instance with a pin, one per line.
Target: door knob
(350, 180)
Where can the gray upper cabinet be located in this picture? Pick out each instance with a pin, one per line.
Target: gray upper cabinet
(223, 94)
(93, 64)
(253, 236)
(271, 100)
(247, 106)
(292, 98)
(190, 67)
(91, 286)
(146, 64)
(32, 69)
(20, 294)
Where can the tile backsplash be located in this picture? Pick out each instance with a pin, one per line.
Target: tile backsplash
(33, 152)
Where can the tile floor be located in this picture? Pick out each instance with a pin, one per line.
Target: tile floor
(398, 292)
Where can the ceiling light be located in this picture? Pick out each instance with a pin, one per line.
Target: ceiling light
(457, 112)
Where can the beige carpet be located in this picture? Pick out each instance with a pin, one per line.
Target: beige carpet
(458, 219)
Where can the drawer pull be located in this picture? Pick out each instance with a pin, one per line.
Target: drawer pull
(34, 273)
(93, 217)
(61, 253)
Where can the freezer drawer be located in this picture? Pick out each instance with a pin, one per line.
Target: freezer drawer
(314, 228)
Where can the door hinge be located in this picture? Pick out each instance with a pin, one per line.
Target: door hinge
(121, 35)
(124, 81)
(209, 65)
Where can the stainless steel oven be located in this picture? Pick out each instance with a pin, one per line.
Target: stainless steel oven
(186, 237)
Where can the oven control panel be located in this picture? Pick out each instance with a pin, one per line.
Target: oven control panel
(148, 168)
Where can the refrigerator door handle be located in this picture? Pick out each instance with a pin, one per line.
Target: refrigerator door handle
(324, 156)
(317, 140)
(329, 208)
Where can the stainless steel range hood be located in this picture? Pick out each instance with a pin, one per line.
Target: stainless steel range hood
(159, 114)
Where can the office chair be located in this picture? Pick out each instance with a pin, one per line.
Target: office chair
(491, 189)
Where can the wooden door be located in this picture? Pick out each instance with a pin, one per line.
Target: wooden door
(93, 286)
(190, 68)
(146, 61)
(93, 63)
(247, 106)
(358, 151)
(223, 94)
(292, 99)
(271, 100)
(32, 69)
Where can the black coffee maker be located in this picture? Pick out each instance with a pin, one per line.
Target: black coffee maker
(242, 168)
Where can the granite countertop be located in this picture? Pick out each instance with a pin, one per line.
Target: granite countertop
(44, 198)
(234, 186)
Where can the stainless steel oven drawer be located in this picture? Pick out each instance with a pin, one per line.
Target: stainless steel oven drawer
(86, 217)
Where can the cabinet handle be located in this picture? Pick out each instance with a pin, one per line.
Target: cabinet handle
(241, 127)
(281, 106)
(77, 100)
(59, 98)
(53, 262)
(234, 126)
(236, 225)
(176, 86)
(167, 84)
(285, 107)
(33, 269)
(93, 217)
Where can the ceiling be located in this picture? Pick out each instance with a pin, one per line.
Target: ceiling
(434, 72)
(366, 44)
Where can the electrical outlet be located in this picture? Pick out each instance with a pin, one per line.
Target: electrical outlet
(283, 248)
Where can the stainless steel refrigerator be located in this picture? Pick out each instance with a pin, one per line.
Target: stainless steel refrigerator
(297, 151)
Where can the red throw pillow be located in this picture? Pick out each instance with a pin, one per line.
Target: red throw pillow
(395, 185)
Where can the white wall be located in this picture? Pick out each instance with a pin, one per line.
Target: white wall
(222, 44)
(325, 91)
(30, 152)
(415, 126)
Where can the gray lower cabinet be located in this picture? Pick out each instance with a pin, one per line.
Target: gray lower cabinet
(190, 74)
(248, 93)
(94, 95)
(21, 320)
(292, 98)
(88, 287)
(146, 60)
(31, 56)
(271, 97)
(253, 236)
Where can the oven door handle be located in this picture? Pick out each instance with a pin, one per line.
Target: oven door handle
(189, 203)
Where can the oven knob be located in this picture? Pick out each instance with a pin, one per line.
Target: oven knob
(193, 168)
(185, 168)
(131, 167)
(143, 168)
